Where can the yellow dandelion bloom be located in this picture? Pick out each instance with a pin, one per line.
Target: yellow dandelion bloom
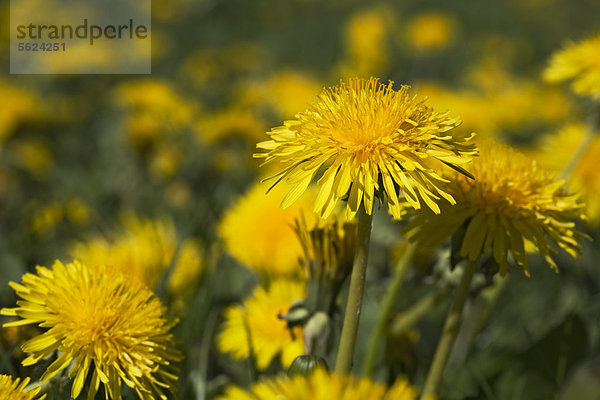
(15, 389)
(285, 92)
(579, 62)
(230, 123)
(17, 105)
(187, 270)
(365, 36)
(321, 385)
(368, 137)
(99, 323)
(259, 317)
(260, 235)
(556, 151)
(142, 250)
(512, 200)
(431, 31)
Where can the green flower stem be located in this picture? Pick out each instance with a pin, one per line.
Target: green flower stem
(589, 135)
(407, 319)
(385, 308)
(345, 355)
(442, 353)
(475, 319)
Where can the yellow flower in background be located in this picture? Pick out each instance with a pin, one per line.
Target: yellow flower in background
(321, 385)
(362, 131)
(165, 161)
(142, 249)
(260, 235)
(78, 211)
(579, 62)
(511, 200)
(555, 151)
(259, 317)
(14, 389)
(100, 323)
(365, 40)
(34, 155)
(431, 31)
(45, 218)
(285, 92)
(290, 91)
(156, 110)
(491, 110)
(187, 270)
(230, 123)
(16, 105)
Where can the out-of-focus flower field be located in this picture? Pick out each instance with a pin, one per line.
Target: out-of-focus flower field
(158, 264)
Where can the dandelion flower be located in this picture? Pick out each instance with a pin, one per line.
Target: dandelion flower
(367, 137)
(321, 385)
(260, 235)
(15, 389)
(365, 35)
(556, 151)
(188, 269)
(99, 323)
(142, 250)
(431, 31)
(259, 317)
(579, 62)
(511, 201)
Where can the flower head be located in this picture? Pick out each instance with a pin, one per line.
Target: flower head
(512, 200)
(259, 318)
(321, 385)
(431, 31)
(260, 235)
(15, 389)
(142, 250)
(579, 62)
(98, 322)
(557, 150)
(366, 137)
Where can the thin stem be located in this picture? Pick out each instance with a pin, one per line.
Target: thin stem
(407, 319)
(588, 137)
(385, 308)
(345, 355)
(436, 371)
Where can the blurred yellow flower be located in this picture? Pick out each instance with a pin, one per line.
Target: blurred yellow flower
(78, 211)
(511, 200)
(321, 385)
(165, 161)
(156, 110)
(579, 62)
(45, 218)
(555, 151)
(142, 249)
(16, 105)
(187, 269)
(14, 389)
(259, 317)
(260, 235)
(431, 31)
(365, 133)
(365, 40)
(285, 92)
(228, 123)
(97, 321)
(491, 109)
(34, 155)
